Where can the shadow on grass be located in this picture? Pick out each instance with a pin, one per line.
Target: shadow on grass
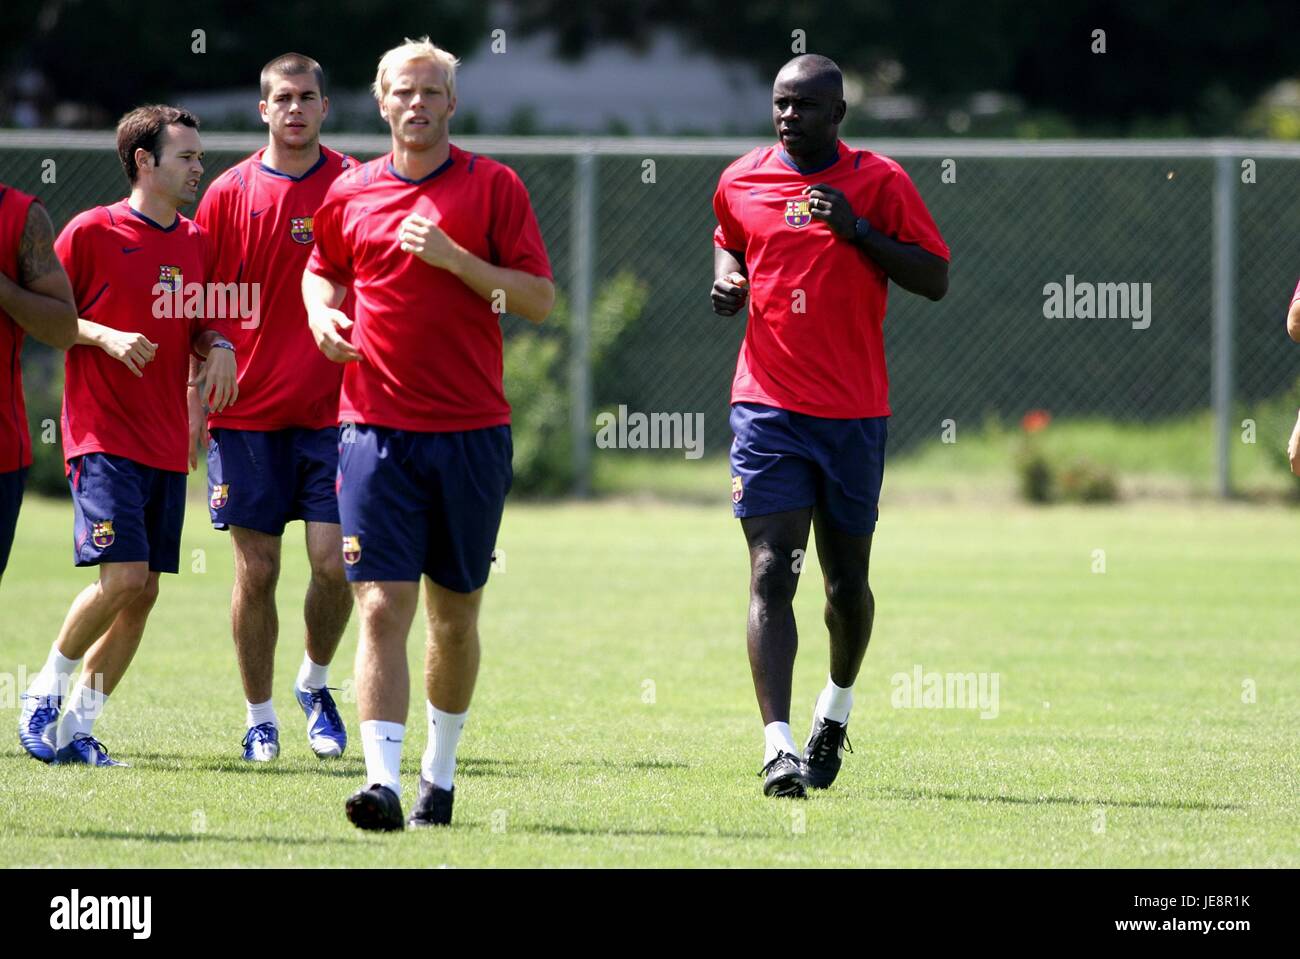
(896, 793)
(350, 767)
(180, 838)
(615, 764)
(545, 829)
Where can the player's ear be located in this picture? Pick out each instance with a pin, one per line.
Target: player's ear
(837, 115)
(324, 107)
(451, 106)
(261, 111)
(143, 159)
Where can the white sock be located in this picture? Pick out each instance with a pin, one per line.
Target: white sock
(55, 676)
(312, 675)
(259, 713)
(381, 742)
(84, 706)
(779, 740)
(439, 762)
(835, 702)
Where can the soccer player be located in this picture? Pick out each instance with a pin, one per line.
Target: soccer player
(35, 298)
(810, 232)
(125, 429)
(274, 458)
(435, 242)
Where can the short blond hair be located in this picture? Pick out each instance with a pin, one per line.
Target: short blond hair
(422, 49)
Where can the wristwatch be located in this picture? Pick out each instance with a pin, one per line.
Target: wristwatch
(222, 345)
(860, 229)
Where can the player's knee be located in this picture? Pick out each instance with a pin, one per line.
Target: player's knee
(257, 572)
(148, 594)
(454, 625)
(382, 615)
(774, 578)
(847, 594)
(454, 634)
(327, 572)
(123, 584)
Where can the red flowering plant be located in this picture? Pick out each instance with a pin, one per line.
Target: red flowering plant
(1037, 482)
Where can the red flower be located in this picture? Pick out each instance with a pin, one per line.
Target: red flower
(1035, 420)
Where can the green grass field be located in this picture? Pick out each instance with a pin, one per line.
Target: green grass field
(1122, 738)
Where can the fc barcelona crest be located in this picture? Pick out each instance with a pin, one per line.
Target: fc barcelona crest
(102, 534)
(220, 494)
(169, 278)
(352, 550)
(737, 489)
(798, 212)
(300, 229)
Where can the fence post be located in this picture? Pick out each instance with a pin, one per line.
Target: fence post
(1225, 291)
(584, 242)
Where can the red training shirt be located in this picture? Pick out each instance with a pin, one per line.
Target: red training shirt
(15, 441)
(114, 257)
(814, 343)
(261, 223)
(430, 346)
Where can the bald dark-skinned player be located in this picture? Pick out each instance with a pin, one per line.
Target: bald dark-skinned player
(810, 232)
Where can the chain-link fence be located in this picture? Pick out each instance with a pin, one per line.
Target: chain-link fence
(1199, 234)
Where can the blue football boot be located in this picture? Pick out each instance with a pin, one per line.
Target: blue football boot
(325, 730)
(86, 751)
(36, 722)
(261, 743)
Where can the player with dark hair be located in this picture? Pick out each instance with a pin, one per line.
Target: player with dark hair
(36, 300)
(433, 241)
(811, 232)
(274, 459)
(125, 430)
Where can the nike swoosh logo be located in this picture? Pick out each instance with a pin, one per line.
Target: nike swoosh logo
(131, 249)
(257, 213)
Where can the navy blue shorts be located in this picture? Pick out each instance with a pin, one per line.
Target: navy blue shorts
(782, 460)
(263, 480)
(422, 503)
(11, 500)
(126, 512)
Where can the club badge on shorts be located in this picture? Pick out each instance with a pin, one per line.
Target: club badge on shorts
(352, 550)
(300, 228)
(102, 534)
(737, 489)
(220, 495)
(798, 212)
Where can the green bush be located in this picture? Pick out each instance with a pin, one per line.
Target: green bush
(1084, 481)
(1274, 421)
(1037, 483)
(43, 391)
(537, 382)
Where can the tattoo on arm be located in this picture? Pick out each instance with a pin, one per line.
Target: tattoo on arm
(36, 248)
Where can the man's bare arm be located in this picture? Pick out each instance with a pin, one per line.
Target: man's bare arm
(323, 297)
(523, 294)
(41, 301)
